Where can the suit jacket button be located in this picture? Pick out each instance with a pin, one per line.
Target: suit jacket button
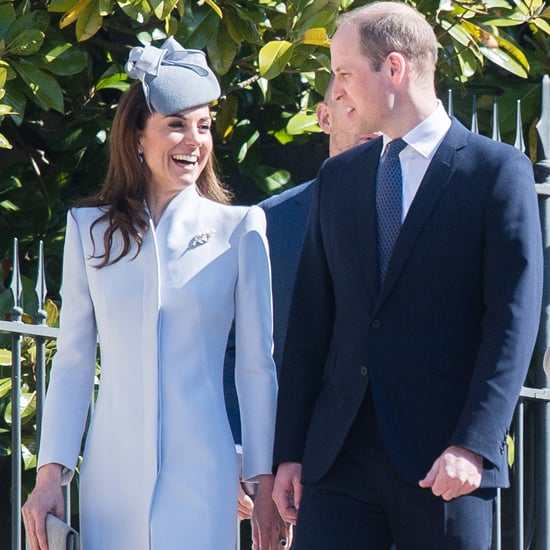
(376, 323)
(364, 371)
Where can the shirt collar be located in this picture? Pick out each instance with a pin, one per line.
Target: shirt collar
(426, 136)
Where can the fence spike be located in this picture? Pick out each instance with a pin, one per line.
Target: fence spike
(475, 127)
(543, 125)
(40, 288)
(16, 285)
(519, 142)
(495, 122)
(450, 102)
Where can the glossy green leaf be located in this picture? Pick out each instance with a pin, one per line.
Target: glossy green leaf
(500, 51)
(275, 180)
(7, 17)
(511, 444)
(457, 32)
(274, 57)
(139, 10)
(314, 17)
(74, 13)
(27, 407)
(316, 37)
(62, 6)
(502, 59)
(511, 20)
(17, 100)
(215, 8)
(3, 76)
(105, 7)
(303, 123)
(247, 138)
(221, 51)
(27, 43)
(29, 457)
(283, 137)
(45, 89)
(240, 28)
(162, 8)
(206, 27)
(88, 22)
(52, 313)
(114, 80)
(469, 64)
(541, 24)
(38, 20)
(64, 60)
(5, 359)
(226, 116)
(300, 5)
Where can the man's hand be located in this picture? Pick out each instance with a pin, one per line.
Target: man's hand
(269, 531)
(287, 491)
(455, 473)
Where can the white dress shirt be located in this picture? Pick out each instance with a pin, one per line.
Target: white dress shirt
(422, 143)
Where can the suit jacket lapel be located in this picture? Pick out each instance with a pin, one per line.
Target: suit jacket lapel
(436, 179)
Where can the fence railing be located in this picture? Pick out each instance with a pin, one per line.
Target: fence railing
(522, 518)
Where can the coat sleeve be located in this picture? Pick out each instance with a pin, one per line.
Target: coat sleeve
(512, 274)
(255, 373)
(307, 342)
(72, 376)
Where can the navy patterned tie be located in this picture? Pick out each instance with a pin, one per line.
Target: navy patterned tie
(389, 202)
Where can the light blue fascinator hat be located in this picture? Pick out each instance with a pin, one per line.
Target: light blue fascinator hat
(174, 79)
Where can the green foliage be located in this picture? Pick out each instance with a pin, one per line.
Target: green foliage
(61, 74)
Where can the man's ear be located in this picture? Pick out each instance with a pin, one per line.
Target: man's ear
(396, 66)
(323, 117)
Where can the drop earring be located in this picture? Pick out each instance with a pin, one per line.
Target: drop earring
(140, 154)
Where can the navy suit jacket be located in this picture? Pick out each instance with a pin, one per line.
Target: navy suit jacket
(286, 215)
(445, 341)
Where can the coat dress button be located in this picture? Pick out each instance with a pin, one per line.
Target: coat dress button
(376, 323)
(364, 371)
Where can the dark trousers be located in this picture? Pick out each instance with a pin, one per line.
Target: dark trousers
(362, 504)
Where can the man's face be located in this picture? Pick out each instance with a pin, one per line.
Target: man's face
(345, 132)
(361, 91)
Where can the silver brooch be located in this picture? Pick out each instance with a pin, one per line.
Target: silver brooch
(202, 238)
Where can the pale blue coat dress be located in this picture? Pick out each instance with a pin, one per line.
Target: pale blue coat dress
(159, 469)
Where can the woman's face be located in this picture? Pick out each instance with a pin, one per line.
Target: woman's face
(176, 147)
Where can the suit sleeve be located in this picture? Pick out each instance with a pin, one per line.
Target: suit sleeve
(72, 376)
(307, 342)
(513, 270)
(255, 374)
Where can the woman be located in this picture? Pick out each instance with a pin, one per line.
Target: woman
(156, 267)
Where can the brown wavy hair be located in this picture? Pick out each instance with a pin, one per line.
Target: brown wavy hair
(122, 195)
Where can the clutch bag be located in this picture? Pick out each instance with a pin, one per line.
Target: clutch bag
(61, 536)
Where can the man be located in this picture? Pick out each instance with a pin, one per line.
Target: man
(287, 212)
(286, 215)
(403, 362)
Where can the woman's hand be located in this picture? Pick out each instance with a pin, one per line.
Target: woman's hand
(245, 504)
(269, 531)
(47, 497)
